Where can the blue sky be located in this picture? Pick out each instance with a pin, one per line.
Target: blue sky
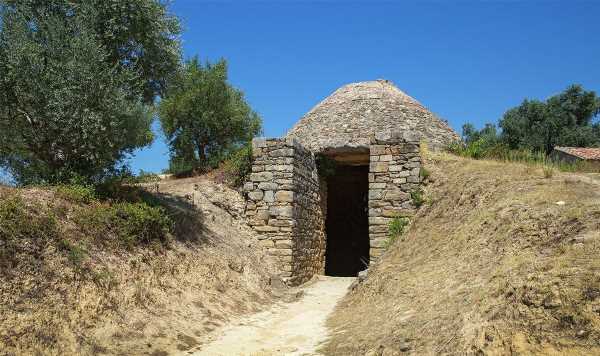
(465, 61)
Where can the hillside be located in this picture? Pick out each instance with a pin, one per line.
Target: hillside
(500, 260)
(69, 286)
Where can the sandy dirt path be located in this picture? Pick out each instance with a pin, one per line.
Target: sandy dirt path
(296, 328)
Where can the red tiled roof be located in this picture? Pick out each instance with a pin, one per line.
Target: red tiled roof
(581, 152)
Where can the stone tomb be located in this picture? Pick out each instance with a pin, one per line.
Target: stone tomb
(287, 202)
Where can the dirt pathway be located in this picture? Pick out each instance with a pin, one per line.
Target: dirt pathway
(296, 328)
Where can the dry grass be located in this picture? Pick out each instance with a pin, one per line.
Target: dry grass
(73, 296)
(491, 265)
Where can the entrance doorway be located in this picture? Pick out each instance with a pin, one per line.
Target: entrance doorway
(347, 224)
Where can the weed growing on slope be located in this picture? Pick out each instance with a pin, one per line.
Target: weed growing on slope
(396, 229)
(417, 197)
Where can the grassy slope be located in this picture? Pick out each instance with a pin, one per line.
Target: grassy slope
(150, 299)
(491, 265)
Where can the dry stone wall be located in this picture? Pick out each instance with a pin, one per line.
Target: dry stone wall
(284, 207)
(394, 172)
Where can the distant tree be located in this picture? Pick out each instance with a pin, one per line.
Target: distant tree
(76, 78)
(203, 116)
(471, 134)
(566, 119)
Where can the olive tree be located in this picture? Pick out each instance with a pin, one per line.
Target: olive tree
(203, 116)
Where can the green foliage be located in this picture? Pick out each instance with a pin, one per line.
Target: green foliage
(130, 223)
(501, 152)
(18, 223)
(418, 198)
(75, 253)
(83, 194)
(204, 117)
(75, 78)
(238, 166)
(424, 173)
(396, 229)
(566, 119)
(326, 166)
(141, 178)
(137, 36)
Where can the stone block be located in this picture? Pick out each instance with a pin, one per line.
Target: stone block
(413, 179)
(284, 244)
(261, 176)
(267, 186)
(269, 196)
(378, 221)
(395, 195)
(266, 228)
(376, 150)
(378, 167)
(377, 185)
(256, 195)
(283, 152)
(262, 214)
(385, 158)
(282, 223)
(285, 211)
(284, 196)
(375, 194)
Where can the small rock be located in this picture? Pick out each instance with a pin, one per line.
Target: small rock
(560, 202)
(362, 275)
(404, 346)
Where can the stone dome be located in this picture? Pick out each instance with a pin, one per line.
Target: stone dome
(354, 113)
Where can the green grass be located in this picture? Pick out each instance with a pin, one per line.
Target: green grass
(396, 229)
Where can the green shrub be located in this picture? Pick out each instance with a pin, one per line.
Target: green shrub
(83, 194)
(130, 223)
(424, 173)
(396, 229)
(19, 222)
(238, 166)
(75, 253)
(417, 197)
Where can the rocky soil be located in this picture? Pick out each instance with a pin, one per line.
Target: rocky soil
(141, 301)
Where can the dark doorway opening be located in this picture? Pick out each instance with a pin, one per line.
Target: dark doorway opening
(347, 224)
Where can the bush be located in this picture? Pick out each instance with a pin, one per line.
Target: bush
(417, 197)
(130, 223)
(83, 194)
(238, 166)
(396, 229)
(18, 223)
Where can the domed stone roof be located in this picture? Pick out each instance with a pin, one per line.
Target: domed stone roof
(354, 113)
